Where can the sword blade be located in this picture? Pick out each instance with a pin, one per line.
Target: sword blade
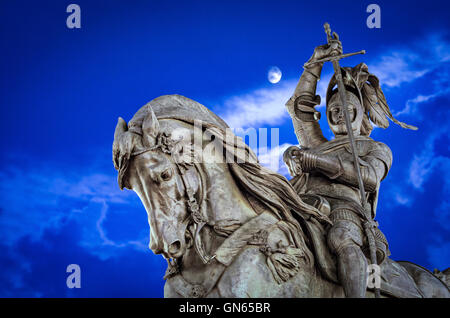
(351, 137)
(343, 96)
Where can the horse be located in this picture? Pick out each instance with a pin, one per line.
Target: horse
(227, 226)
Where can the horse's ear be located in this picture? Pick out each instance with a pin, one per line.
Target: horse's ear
(150, 129)
(121, 127)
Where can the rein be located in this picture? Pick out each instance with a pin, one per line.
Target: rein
(200, 220)
(213, 273)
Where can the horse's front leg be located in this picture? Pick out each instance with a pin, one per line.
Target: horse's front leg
(247, 276)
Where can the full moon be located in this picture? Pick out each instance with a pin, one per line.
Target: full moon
(274, 75)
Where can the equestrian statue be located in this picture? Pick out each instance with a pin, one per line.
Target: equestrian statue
(229, 227)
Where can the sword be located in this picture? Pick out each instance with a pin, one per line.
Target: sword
(343, 96)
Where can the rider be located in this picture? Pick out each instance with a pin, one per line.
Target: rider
(323, 170)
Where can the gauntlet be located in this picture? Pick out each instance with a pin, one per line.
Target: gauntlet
(332, 166)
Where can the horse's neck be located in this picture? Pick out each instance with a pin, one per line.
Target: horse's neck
(227, 205)
(226, 208)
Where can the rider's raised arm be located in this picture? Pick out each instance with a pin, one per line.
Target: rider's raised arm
(301, 105)
(301, 108)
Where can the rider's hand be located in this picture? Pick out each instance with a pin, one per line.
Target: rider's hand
(327, 50)
(299, 160)
(292, 161)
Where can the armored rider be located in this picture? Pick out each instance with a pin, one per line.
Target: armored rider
(323, 170)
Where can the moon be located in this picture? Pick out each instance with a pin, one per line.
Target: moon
(274, 75)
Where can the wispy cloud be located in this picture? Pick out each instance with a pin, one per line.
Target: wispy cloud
(429, 162)
(404, 64)
(273, 158)
(402, 199)
(95, 236)
(407, 64)
(396, 68)
(424, 163)
(412, 105)
(53, 198)
(265, 106)
(262, 106)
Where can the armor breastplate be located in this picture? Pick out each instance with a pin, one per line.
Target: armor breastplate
(321, 185)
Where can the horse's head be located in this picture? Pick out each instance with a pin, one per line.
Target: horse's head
(145, 159)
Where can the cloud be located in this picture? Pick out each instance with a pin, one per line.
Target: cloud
(411, 104)
(403, 64)
(261, 106)
(397, 68)
(46, 261)
(402, 199)
(423, 164)
(265, 105)
(439, 249)
(95, 236)
(431, 163)
(273, 158)
(55, 197)
(422, 99)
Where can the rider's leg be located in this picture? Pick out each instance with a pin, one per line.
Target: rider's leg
(345, 240)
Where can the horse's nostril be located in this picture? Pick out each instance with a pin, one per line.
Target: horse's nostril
(174, 247)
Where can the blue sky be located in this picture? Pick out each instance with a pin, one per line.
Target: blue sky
(62, 90)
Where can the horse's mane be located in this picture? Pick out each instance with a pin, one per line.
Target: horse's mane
(270, 188)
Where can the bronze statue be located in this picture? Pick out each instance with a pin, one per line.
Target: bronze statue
(232, 228)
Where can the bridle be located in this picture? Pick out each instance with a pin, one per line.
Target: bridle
(197, 210)
(195, 199)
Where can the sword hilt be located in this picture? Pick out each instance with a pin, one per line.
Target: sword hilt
(334, 58)
(331, 36)
(327, 28)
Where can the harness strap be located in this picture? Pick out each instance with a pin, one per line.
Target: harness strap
(254, 232)
(188, 290)
(199, 219)
(250, 232)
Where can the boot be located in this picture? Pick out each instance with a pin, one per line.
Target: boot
(352, 271)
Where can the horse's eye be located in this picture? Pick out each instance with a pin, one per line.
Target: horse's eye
(166, 175)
